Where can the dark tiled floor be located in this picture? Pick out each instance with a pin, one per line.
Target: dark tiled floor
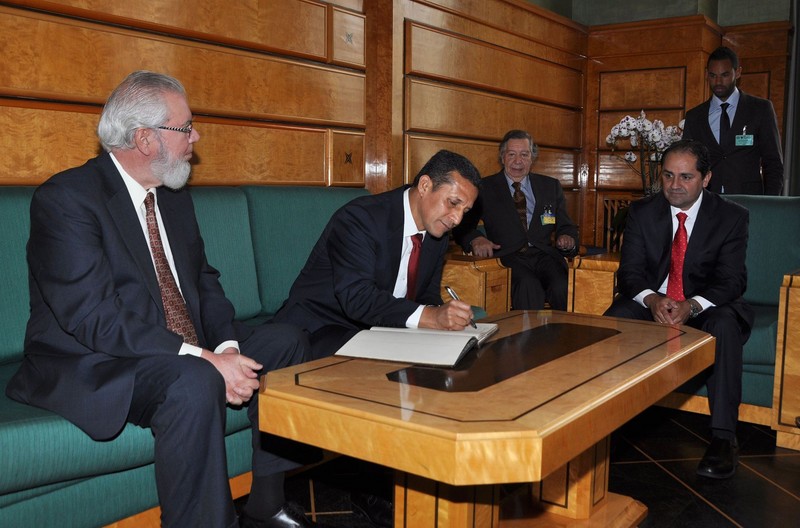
(653, 459)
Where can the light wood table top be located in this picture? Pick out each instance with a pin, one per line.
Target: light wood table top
(544, 389)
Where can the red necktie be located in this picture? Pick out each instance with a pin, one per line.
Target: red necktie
(175, 310)
(675, 282)
(413, 261)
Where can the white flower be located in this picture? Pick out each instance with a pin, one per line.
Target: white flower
(630, 157)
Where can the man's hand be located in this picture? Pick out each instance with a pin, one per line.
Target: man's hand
(240, 374)
(565, 243)
(483, 247)
(666, 310)
(454, 315)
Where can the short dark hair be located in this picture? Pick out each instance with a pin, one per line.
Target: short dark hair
(518, 134)
(723, 53)
(693, 147)
(442, 164)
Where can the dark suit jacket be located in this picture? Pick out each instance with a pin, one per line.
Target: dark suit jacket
(739, 169)
(714, 265)
(495, 206)
(95, 300)
(349, 277)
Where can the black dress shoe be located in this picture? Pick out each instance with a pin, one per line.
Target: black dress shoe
(379, 511)
(290, 515)
(720, 460)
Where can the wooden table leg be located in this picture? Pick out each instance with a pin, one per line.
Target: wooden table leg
(575, 495)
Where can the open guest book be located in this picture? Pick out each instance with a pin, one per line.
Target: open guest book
(422, 346)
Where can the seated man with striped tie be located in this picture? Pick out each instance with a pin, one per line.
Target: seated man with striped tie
(523, 212)
(379, 260)
(683, 262)
(128, 321)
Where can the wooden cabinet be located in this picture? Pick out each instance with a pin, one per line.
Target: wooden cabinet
(480, 282)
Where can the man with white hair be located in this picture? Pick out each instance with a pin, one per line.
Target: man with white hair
(129, 323)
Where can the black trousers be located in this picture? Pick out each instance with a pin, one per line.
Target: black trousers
(724, 382)
(537, 277)
(182, 400)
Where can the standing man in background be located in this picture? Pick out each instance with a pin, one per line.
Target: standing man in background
(522, 211)
(740, 131)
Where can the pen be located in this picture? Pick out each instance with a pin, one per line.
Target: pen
(454, 295)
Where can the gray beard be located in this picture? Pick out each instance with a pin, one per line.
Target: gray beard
(173, 173)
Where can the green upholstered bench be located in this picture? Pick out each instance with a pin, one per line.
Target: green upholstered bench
(51, 473)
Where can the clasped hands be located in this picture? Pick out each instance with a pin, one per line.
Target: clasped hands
(483, 247)
(667, 310)
(239, 372)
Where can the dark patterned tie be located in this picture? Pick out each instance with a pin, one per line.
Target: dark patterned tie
(521, 205)
(413, 263)
(675, 281)
(724, 121)
(175, 310)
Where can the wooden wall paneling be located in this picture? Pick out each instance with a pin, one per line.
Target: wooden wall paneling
(419, 148)
(557, 163)
(451, 110)
(436, 54)
(346, 164)
(347, 35)
(235, 152)
(654, 37)
(293, 27)
(267, 87)
(41, 139)
(550, 34)
(646, 88)
(384, 114)
(764, 53)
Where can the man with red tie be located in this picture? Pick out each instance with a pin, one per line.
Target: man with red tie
(361, 270)
(683, 262)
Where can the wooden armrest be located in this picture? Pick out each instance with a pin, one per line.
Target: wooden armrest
(592, 283)
(786, 404)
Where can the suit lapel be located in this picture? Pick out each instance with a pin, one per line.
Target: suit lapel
(395, 233)
(506, 205)
(126, 219)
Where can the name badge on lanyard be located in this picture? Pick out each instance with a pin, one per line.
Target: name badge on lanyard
(548, 218)
(744, 139)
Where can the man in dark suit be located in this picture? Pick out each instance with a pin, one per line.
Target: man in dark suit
(357, 274)
(703, 289)
(743, 140)
(128, 320)
(522, 211)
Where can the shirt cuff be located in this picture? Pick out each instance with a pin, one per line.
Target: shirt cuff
(640, 298)
(704, 303)
(187, 349)
(413, 319)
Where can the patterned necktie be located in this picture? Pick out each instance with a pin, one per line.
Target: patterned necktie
(521, 204)
(675, 282)
(724, 121)
(413, 262)
(175, 310)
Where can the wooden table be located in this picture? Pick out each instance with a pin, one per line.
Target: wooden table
(536, 404)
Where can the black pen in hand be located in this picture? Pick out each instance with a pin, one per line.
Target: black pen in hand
(455, 298)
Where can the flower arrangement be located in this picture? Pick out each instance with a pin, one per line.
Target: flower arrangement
(651, 139)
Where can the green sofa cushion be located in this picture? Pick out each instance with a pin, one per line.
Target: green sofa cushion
(48, 449)
(15, 221)
(281, 247)
(225, 226)
(760, 347)
(772, 248)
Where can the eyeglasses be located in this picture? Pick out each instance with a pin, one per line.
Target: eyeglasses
(186, 129)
